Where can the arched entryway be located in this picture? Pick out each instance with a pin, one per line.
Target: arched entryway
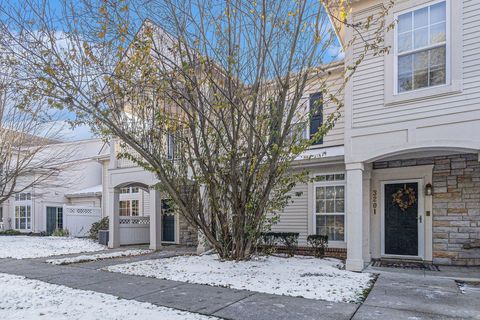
(140, 215)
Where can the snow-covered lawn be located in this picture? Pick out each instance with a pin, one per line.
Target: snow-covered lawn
(24, 247)
(98, 256)
(32, 299)
(306, 277)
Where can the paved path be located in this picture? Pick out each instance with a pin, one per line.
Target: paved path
(217, 301)
(394, 296)
(408, 294)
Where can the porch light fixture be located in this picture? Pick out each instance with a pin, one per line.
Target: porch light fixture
(428, 189)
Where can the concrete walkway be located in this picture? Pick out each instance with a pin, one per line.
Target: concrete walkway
(396, 295)
(411, 294)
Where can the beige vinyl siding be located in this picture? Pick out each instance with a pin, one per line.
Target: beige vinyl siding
(294, 217)
(298, 214)
(368, 83)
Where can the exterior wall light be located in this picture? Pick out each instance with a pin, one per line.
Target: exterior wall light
(428, 189)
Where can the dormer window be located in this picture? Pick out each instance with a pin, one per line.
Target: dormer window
(421, 48)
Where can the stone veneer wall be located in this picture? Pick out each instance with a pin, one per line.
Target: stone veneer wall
(188, 234)
(456, 206)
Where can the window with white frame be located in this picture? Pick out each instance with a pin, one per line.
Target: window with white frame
(129, 208)
(23, 217)
(171, 145)
(330, 206)
(421, 47)
(129, 190)
(23, 196)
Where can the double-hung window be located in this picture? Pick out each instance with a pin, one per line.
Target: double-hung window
(421, 49)
(330, 206)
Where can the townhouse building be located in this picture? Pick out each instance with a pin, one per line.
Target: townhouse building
(398, 177)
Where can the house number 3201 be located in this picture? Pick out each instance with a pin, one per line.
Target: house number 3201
(374, 201)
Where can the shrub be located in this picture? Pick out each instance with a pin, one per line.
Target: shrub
(287, 239)
(60, 233)
(319, 244)
(10, 232)
(96, 226)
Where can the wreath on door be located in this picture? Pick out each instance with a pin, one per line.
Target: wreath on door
(404, 198)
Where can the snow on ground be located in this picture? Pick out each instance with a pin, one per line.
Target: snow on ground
(24, 247)
(98, 256)
(306, 277)
(32, 299)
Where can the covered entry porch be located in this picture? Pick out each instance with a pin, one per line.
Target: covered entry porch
(415, 205)
(138, 214)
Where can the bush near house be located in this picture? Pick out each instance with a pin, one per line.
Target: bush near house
(10, 232)
(289, 240)
(100, 225)
(319, 243)
(60, 233)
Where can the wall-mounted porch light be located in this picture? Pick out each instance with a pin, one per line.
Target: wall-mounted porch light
(428, 189)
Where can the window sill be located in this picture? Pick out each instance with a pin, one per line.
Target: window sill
(424, 94)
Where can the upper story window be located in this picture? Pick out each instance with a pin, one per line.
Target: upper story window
(171, 146)
(316, 115)
(422, 48)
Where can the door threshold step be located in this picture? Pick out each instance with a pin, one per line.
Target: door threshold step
(405, 264)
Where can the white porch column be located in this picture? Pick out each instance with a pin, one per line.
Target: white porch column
(355, 218)
(114, 218)
(367, 178)
(155, 220)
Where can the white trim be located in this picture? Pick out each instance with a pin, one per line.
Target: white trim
(447, 44)
(420, 224)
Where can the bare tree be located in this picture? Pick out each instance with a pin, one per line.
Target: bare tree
(27, 129)
(208, 95)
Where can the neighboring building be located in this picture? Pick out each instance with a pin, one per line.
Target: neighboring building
(130, 201)
(74, 188)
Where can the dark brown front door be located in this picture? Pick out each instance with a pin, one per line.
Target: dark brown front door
(401, 226)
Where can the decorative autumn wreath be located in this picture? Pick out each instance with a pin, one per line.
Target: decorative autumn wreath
(404, 198)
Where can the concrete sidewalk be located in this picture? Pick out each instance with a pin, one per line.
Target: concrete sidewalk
(396, 294)
(217, 301)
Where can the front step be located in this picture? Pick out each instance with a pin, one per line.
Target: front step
(404, 264)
